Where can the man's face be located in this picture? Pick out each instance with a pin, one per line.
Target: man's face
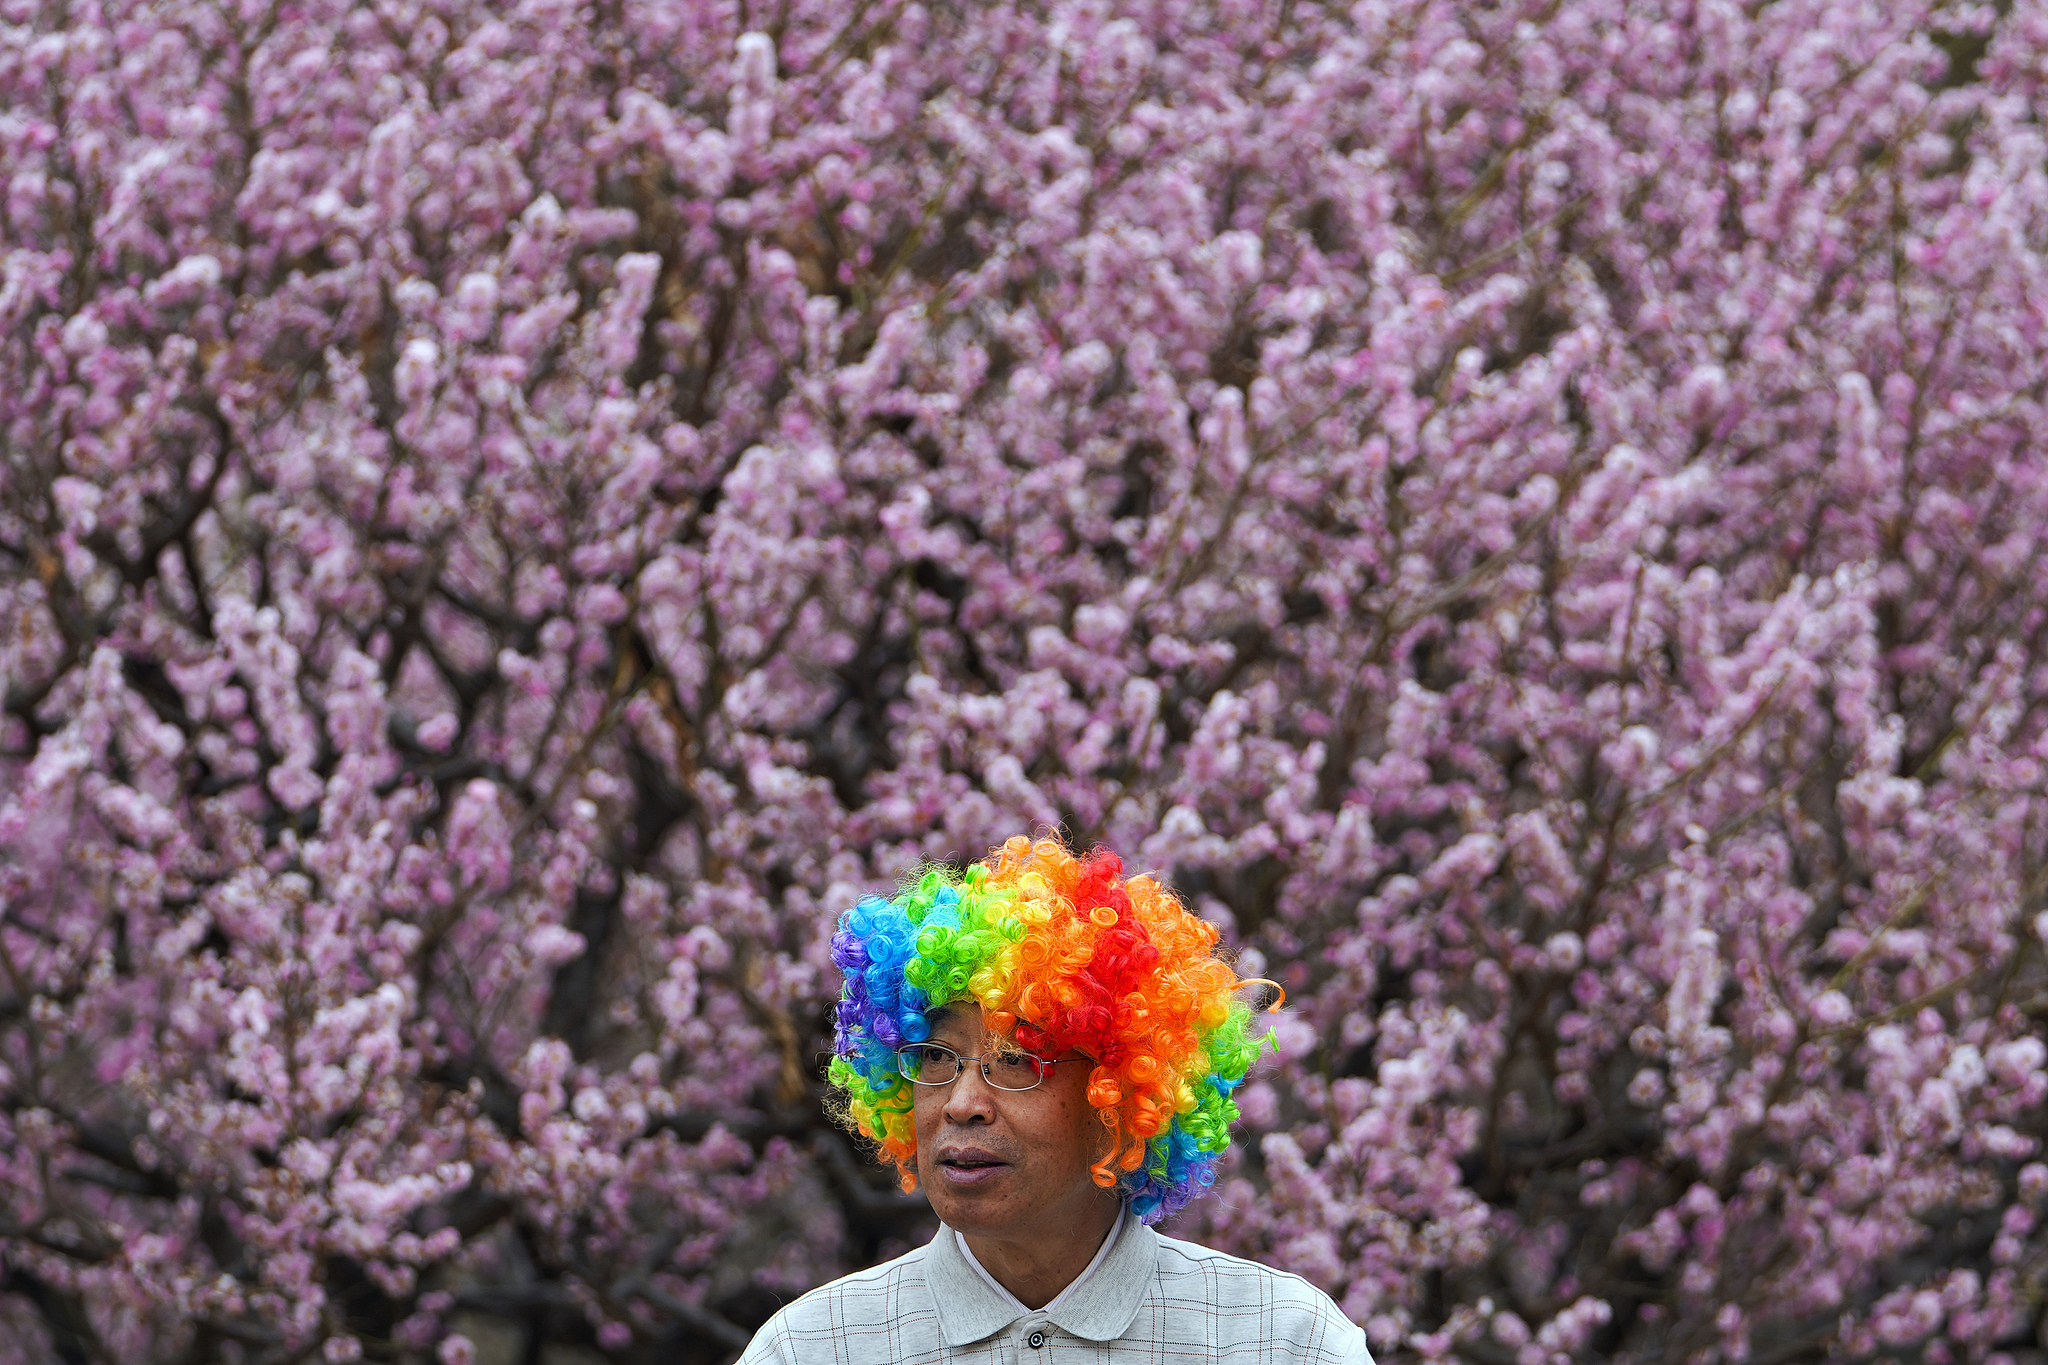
(1008, 1164)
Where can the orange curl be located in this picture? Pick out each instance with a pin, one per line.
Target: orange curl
(1104, 1091)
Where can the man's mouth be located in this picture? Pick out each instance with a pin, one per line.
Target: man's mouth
(970, 1168)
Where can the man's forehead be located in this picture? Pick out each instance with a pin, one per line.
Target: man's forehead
(960, 1015)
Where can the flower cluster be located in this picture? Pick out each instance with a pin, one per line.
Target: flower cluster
(1065, 955)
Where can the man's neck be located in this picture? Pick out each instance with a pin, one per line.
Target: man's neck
(1037, 1269)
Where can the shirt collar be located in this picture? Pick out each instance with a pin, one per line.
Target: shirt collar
(1098, 1306)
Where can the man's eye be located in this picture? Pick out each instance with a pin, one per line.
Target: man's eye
(1016, 1061)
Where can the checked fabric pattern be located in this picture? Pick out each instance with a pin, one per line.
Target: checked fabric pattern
(1154, 1301)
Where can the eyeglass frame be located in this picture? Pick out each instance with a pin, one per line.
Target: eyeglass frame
(1044, 1066)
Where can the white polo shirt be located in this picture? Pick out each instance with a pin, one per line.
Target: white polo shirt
(1145, 1298)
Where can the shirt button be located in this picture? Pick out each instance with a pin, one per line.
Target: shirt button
(1035, 1340)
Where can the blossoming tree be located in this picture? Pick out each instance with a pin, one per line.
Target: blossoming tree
(1527, 514)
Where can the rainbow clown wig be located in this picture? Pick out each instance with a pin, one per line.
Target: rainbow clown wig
(1073, 957)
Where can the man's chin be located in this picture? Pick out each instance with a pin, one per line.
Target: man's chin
(980, 1207)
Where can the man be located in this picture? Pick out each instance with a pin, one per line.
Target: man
(1049, 1050)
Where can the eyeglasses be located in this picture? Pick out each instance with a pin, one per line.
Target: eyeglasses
(1008, 1069)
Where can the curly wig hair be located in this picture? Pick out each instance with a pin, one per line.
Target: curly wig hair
(1065, 952)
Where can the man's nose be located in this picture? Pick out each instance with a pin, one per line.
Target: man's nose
(969, 1095)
